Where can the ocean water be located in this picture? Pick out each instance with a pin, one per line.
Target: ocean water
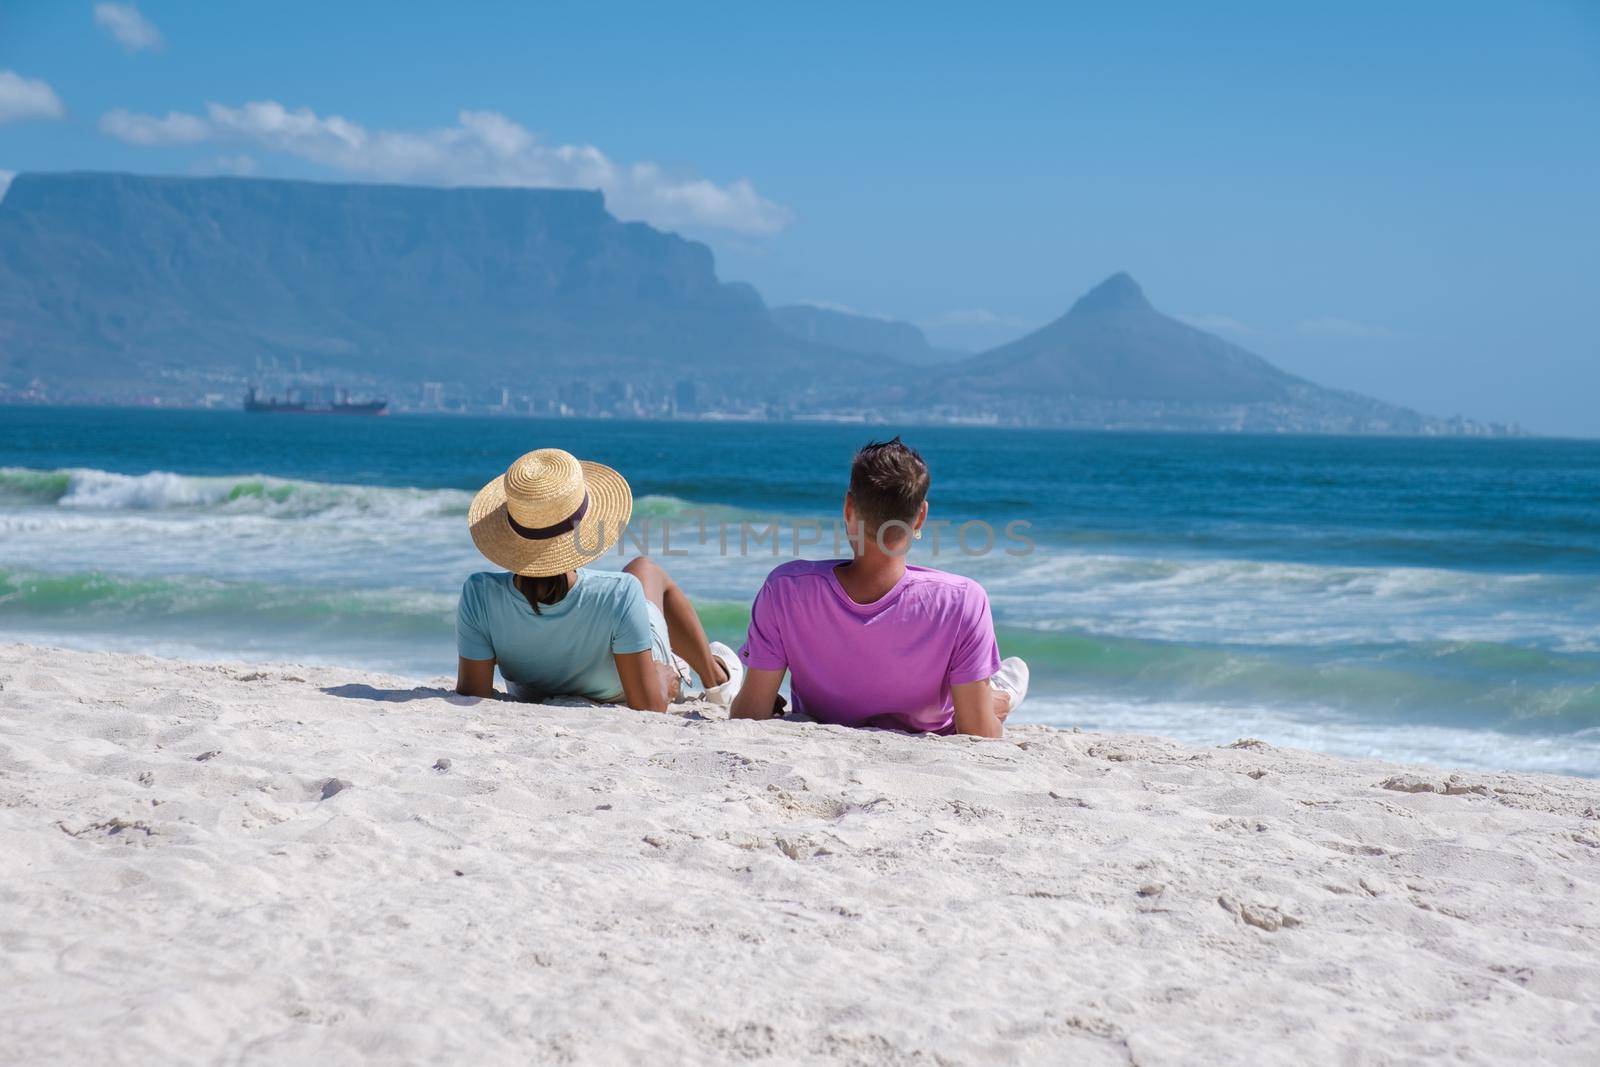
(1426, 600)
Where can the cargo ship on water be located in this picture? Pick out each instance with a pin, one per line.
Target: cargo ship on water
(342, 405)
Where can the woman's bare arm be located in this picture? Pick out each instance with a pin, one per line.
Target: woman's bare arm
(475, 677)
(641, 681)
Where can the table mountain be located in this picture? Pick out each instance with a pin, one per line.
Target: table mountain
(116, 278)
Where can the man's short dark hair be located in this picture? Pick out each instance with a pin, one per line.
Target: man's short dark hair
(888, 482)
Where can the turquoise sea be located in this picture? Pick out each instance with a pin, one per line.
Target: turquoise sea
(1432, 600)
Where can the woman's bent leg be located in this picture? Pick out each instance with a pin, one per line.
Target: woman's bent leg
(684, 631)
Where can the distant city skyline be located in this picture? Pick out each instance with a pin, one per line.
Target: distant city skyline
(1393, 200)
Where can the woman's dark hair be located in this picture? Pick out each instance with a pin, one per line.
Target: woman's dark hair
(543, 590)
(888, 482)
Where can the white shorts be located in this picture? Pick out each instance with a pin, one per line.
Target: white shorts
(661, 648)
(660, 643)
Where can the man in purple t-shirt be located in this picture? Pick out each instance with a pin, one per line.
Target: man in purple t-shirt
(871, 641)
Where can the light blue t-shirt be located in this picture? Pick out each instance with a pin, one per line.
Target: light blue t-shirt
(566, 649)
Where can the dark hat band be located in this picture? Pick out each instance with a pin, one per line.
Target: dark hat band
(545, 533)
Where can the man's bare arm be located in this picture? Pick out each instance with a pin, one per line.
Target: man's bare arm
(758, 695)
(975, 715)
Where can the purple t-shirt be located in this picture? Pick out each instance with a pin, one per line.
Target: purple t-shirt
(890, 663)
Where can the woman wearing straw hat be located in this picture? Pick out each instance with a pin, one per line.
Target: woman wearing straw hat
(555, 630)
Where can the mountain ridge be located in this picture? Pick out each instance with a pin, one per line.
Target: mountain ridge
(1115, 361)
(218, 273)
(867, 334)
(120, 287)
(1113, 343)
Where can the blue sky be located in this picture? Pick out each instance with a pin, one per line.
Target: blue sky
(1395, 198)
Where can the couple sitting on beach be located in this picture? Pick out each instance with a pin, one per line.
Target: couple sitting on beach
(869, 641)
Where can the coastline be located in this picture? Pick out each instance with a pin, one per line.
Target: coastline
(269, 862)
(865, 418)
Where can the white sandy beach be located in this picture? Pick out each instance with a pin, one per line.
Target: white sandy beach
(274, 864)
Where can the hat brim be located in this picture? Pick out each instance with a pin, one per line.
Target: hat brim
(610, 508)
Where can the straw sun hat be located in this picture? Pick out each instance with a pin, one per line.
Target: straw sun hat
(550, 513)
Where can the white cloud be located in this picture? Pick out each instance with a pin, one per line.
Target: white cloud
(5, 181)
(482, 148)
(974, 317)
(972, 328)
(846, 309)
(133, 31)
(149, 131)
(240, 166)
(1348, 329)
(27, 98)
(1214, 323)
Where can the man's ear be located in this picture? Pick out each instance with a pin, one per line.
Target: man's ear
(922, 517)
(850, 520)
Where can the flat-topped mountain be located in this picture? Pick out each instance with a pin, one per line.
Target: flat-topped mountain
(116, 278)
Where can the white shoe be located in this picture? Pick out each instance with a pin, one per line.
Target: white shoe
(1012, 680)
(723, 695)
